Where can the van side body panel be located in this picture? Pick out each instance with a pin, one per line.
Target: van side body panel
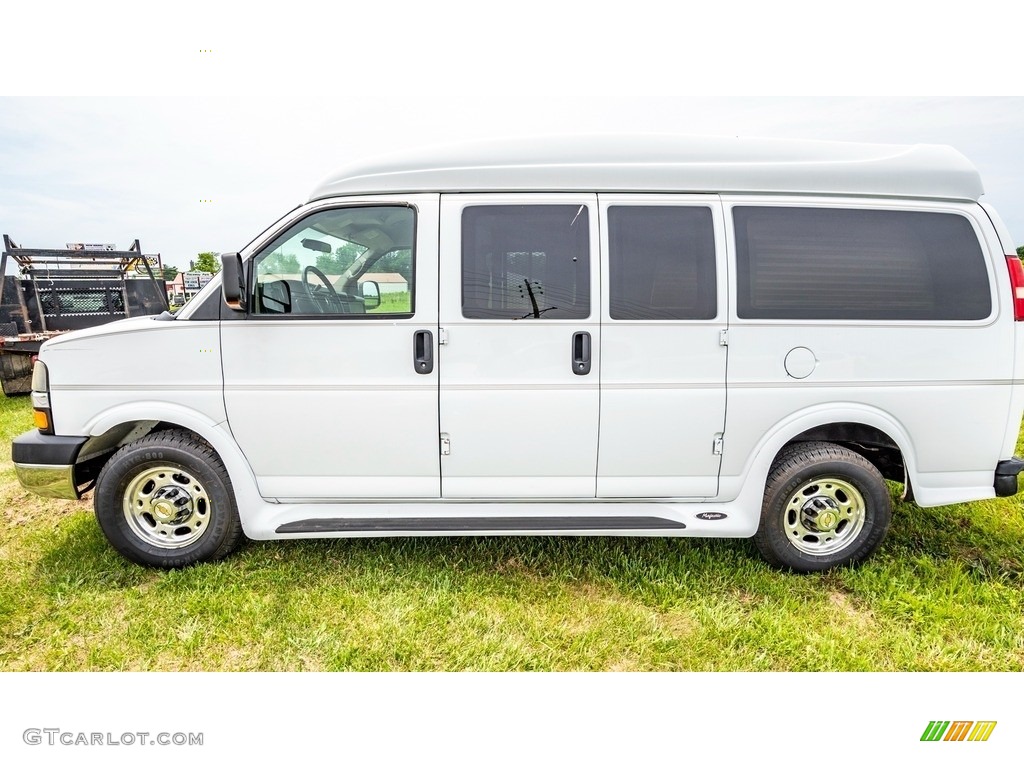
(1007, 248)
(944, 386)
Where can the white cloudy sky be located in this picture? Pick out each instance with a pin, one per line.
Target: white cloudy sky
(124, 131)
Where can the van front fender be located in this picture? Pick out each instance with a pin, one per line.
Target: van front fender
(217, 434)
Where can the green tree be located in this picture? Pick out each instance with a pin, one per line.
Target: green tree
(396, 261)
(342, 258)
(1020, 251)
(207, 262)
(170, 273)
(280, 264)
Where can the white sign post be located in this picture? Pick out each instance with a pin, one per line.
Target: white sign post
(91, 246)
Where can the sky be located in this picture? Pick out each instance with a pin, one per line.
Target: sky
(196, 130)
(111, 169)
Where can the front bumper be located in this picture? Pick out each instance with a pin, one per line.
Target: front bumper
(45, 464)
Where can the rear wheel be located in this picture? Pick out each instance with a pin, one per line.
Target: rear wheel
(824, 506)
(166, 501)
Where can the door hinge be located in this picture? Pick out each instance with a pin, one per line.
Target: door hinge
(717, 446)
(442, 336)
(723, 338)
(446, 444)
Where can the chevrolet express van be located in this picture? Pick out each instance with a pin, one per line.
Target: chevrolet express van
(601, 336)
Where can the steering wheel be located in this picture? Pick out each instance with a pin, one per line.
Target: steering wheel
(333, 299)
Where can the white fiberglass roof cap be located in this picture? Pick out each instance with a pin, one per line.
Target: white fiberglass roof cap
(663, 163)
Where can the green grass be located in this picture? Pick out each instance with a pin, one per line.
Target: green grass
(946, 592)
(396, 303)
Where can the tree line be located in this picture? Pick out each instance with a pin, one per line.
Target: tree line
(208, 261)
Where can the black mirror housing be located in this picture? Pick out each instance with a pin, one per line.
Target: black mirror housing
(232, 285)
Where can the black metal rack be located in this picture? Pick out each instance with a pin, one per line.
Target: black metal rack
(57, 291)
(71, 289)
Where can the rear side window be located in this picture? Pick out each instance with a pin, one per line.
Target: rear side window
(662, 262)
(840, 264)
(526, 262)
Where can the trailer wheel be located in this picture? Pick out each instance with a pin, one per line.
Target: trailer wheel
(166, 501)
(16, 372)
(824, 506)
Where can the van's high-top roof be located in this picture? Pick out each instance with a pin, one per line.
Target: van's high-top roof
(660, 163)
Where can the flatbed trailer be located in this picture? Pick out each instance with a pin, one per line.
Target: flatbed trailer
(56, 291)
(17, 354)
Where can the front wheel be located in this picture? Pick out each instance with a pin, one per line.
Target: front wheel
(166, 501)
(824, 506)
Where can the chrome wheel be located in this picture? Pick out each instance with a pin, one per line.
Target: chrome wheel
(824, 516)
(167, 507)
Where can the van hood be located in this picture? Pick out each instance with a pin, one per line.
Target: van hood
(128, 325)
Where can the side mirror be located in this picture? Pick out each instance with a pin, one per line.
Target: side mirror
(370, 293)
(232, 280)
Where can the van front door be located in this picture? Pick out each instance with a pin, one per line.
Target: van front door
(520, 355)
(329, 381)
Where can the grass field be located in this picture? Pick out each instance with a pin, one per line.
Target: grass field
(393, 302)
(946, 592)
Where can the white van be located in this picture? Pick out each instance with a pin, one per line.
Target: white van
(628, 336)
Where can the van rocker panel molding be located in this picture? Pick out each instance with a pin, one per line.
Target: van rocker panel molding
(462, 524)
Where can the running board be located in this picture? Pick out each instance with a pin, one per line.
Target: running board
(462, 524)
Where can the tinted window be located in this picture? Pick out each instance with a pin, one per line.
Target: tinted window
(662, 263)
(526, 261)
(354, 261)
(829, 264)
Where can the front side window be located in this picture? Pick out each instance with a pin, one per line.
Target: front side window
(524, 262)
(344, 262)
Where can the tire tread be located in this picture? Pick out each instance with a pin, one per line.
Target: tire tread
(202, 452)
(798, 458)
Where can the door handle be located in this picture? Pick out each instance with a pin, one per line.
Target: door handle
(423, 352)
(581, 353)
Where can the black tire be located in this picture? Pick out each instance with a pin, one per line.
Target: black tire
(824, 507)
(182, 508)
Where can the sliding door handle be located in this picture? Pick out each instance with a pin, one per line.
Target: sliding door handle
(581, 353)
(423, 352)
